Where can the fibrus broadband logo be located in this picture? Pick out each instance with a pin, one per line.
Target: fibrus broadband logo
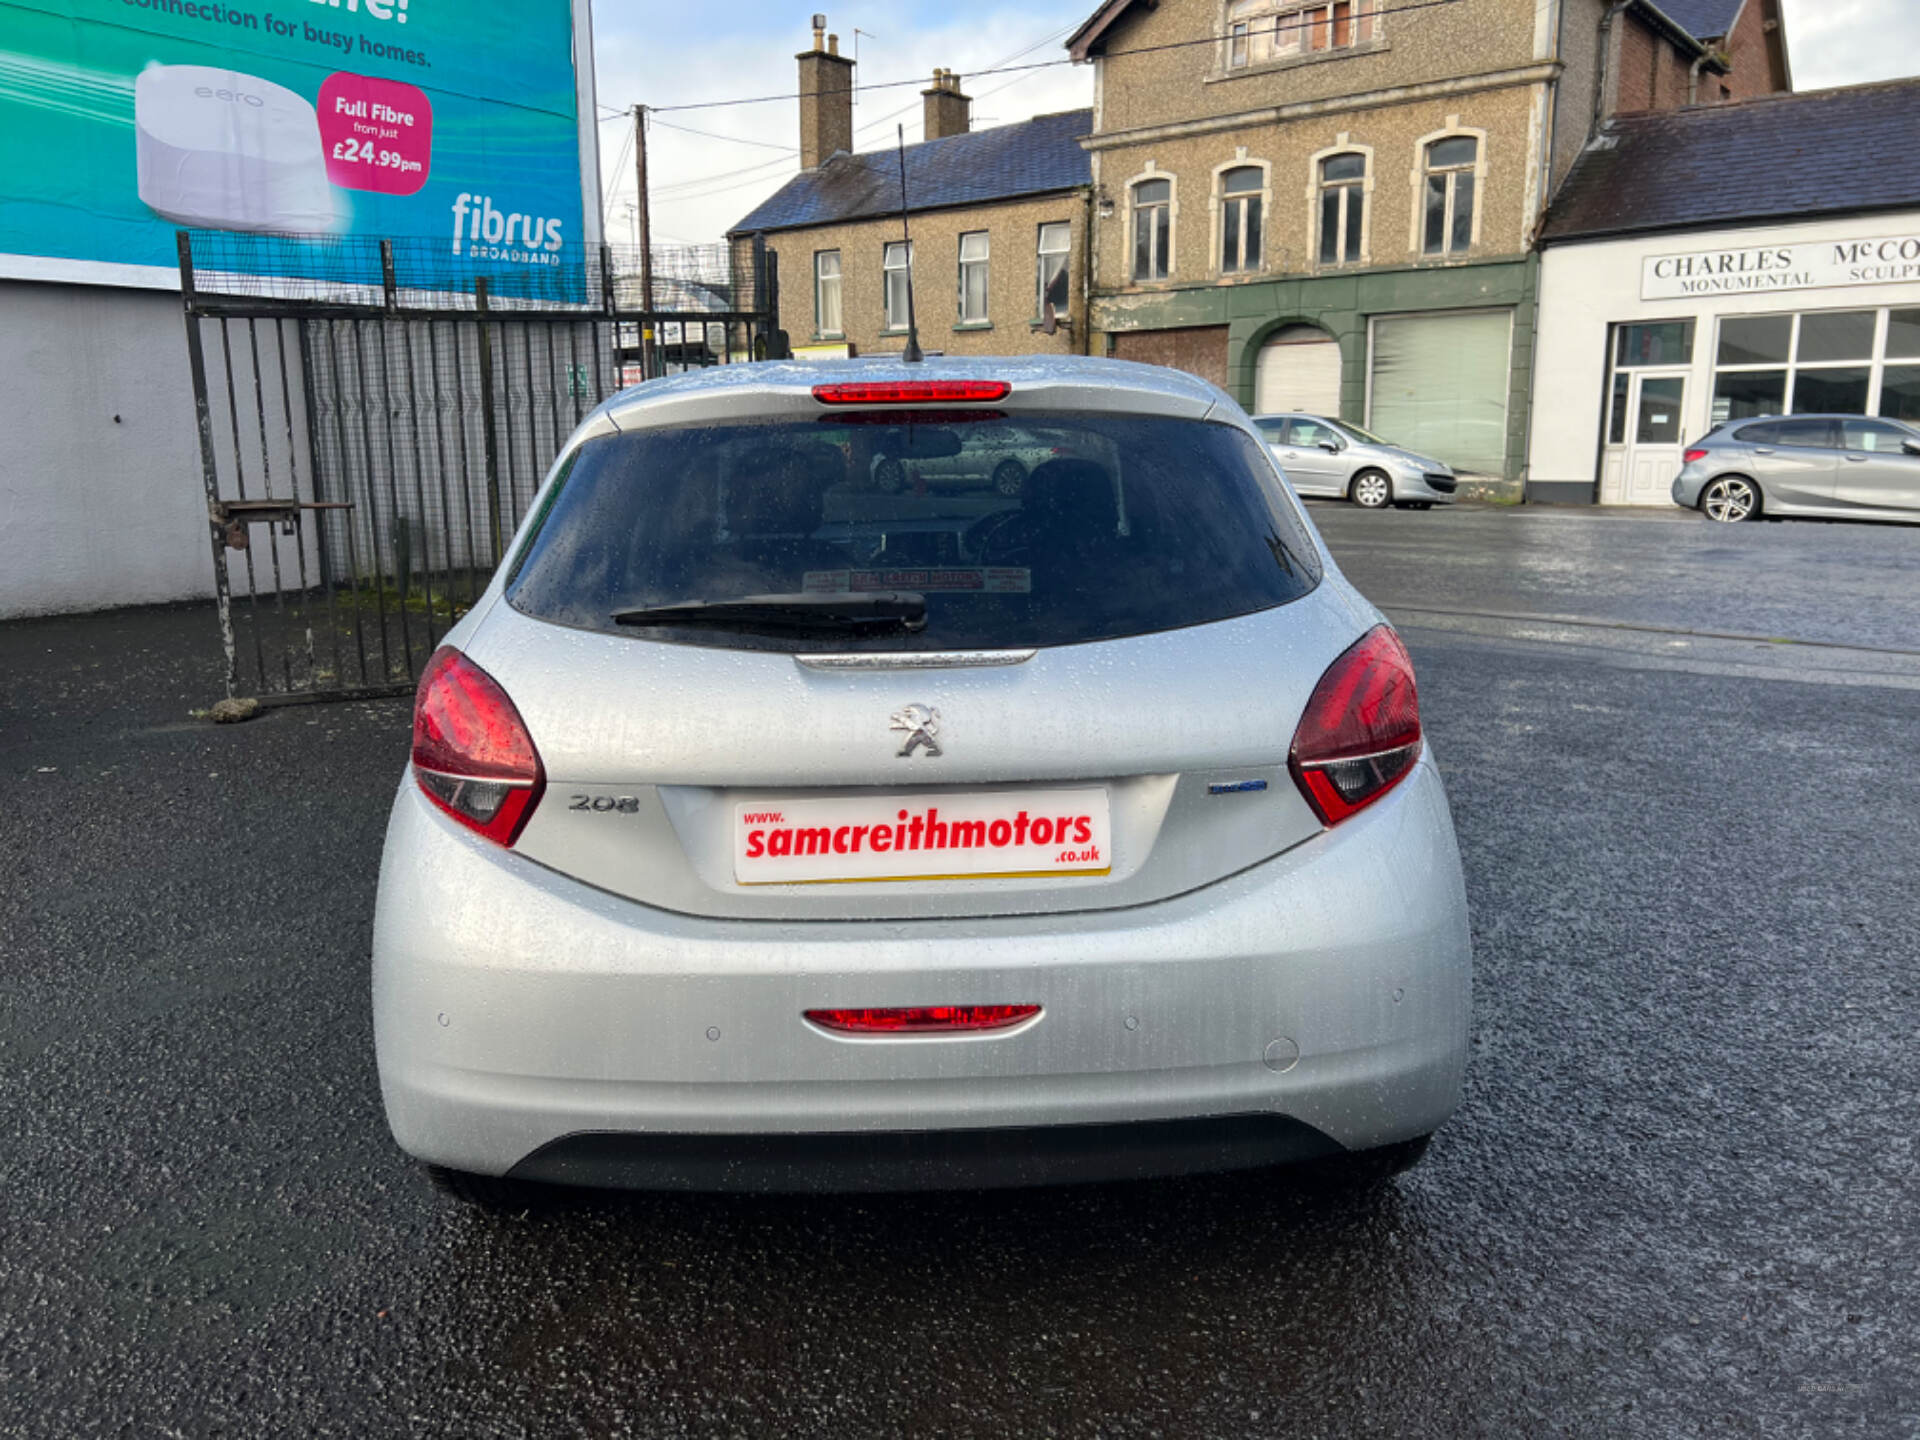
(485, 233)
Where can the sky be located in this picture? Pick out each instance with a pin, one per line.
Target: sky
(662, 55)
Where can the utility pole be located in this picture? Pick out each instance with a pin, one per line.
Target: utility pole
(646, 241)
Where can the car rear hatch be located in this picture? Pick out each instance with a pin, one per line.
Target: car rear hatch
(1077, 698)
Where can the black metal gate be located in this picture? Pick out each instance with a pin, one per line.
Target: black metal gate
(375, 420)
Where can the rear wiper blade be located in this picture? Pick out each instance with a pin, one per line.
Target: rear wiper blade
(799, 611)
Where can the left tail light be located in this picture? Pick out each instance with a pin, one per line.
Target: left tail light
(1360, 735)
(1695, 454)
(472, 755)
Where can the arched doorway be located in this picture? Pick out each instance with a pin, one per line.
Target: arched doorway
(1298, 369)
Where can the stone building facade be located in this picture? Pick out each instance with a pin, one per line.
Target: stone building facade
(1332, 206)
(999, 225)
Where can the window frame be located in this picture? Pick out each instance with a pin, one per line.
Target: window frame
(1315, 202)
(1170, 206)
(1416, 222)
(1040, 257)
(1256, 35)
(887, 270)
(1877, 362)
(839, 295)
(1224, 205)
(984, 263)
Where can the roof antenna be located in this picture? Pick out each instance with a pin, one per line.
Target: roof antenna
(911, 355)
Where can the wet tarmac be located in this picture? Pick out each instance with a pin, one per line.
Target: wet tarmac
(1680, 1198)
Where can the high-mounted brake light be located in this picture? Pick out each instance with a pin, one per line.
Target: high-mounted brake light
(1695, 454)
(922, 1019)
(910, 392)
(1360, 734)
(472, 755)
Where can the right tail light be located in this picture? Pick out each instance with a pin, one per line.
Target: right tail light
(1360, 735)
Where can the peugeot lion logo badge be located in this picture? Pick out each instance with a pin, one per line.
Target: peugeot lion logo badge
(920, 723)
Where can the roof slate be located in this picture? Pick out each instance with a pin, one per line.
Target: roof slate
(1031, 158)
(1702, 19)
(1777, 157)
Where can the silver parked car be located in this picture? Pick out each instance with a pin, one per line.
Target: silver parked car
(1332, 458)
(1855, 467)
(918, 463)
(766, 831)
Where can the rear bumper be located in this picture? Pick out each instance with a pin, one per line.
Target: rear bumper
(1324, 993)
(1687, 485)
(861, 1160)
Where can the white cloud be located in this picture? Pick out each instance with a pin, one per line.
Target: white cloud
(1849, 42)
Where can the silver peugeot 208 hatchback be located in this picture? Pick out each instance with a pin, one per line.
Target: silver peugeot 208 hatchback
(767, 829)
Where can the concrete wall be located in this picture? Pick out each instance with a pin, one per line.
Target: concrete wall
(1585, 288)
(101, 499)
(1013, 228)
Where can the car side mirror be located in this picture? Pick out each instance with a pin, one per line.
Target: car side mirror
(1332, 447)
(1912, 447)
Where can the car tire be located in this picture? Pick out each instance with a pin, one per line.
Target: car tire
(1730, 499)
(495, 1193)
(1358, 1169)
(1009, 477)
(890, 477)
(1371, 490)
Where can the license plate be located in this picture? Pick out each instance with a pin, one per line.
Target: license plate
(948, 836)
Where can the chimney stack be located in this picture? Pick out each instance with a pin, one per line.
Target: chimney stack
(826, 98)
(945, 110)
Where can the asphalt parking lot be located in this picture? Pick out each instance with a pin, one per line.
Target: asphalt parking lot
(1679, 1199)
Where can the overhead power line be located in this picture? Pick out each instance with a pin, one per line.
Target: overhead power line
(1214, 40)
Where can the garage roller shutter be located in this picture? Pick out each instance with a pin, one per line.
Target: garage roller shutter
(1439, 386)
(1299, 369)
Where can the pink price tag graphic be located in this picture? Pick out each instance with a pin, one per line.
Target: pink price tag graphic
(377, 134)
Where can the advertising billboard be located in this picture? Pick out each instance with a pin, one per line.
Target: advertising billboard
(124, 120)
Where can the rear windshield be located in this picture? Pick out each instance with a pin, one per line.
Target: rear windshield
(1018, 533)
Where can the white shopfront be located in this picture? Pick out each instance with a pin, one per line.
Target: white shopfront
(1646, 342)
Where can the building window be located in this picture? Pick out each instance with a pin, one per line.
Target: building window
(973, 278)
(826, 293)
(895, 267)
(1152, 229)
(1260, 32)
(1240, 217)
(1851, 362)
(1056, 242)
(1343, 208)
(1449, 197)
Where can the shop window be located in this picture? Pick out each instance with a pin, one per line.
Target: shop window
(1755, 339)
(1343, 208)
(1617, 408)
(1664, 342)
(1900, 392)
(973, 278)
(1847, 362)
(1451, 167)
(1837, 335)
(1152, 229)
(1240, 217)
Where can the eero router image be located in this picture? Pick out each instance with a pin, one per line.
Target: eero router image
(220, 150)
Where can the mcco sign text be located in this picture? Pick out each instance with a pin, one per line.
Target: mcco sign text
(1809, 265)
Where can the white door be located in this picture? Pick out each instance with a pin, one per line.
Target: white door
(1639, 467)
(1298, 369)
